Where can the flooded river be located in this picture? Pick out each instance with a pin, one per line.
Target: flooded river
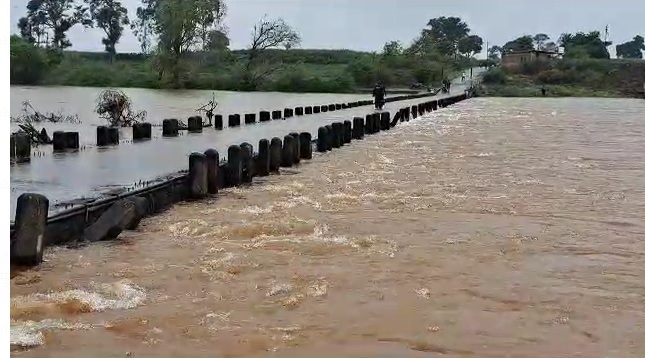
(92, 171)
(65, 176)
(493, 228)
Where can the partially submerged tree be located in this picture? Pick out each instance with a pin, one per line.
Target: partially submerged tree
(110, 16)
(115, 107)
(267, 34)
(55, 17)
(208, 109)
(30, 116)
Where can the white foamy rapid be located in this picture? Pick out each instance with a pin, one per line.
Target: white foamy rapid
(119, 295)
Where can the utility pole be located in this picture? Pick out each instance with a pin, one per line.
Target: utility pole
(487, 51)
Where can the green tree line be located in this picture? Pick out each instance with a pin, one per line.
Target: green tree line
(184, 44)
(582, 45)
(583, 68)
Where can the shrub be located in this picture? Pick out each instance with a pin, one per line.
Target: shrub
(495, 76)
(29, 64)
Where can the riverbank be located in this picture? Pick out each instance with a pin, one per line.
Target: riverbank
(567, 78)
(532, 90)
(296, 70)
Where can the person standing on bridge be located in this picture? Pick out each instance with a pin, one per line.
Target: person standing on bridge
(379, 95)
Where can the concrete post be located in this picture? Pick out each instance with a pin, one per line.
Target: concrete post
(31, 221)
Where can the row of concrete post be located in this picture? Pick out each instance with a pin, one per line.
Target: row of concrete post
(20, 148)
(206, 175)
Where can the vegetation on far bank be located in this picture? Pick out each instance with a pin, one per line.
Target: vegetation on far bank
(184, 45)
(301, 70)
(584, 69)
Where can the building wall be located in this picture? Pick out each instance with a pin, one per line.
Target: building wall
(517, 59)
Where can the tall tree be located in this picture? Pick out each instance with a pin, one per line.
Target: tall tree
(551, 47)
(631, 49)
(111, 17)
(217, 40)
(584, 44)
(176, 25)
(142, 25)
(55, 17)
(392, 48)
(422, 45)
(540, 39)
(267, 34)
(210, 14)
(524, 43)
(494, 53)
(446, 32)
(470, 45)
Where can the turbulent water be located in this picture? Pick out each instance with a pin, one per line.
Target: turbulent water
(495, 227)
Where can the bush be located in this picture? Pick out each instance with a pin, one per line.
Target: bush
(29, 64)
(552, 77)
(299, 80)
(495, 76)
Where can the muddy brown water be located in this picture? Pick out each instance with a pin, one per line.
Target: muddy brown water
(93, 171)
(493, 228)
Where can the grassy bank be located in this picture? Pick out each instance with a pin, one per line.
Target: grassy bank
(567, 78)
(297, 70)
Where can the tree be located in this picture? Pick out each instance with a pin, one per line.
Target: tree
(217, 41)
(110, 16)
(551, 47)
(524, 43)
(142, 27)
(494, 53)
(470, 45)
(540, 39)
(392, 49)
(28, 62)
(422, 45)
(210, 14)
(55, 17)
(177, 25)
(446, 33)
(267, 34)
(631, 49)
(584, 45)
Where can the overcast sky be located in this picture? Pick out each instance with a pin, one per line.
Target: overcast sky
(368, 24)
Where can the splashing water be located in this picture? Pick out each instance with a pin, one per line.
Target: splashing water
(120, 295)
